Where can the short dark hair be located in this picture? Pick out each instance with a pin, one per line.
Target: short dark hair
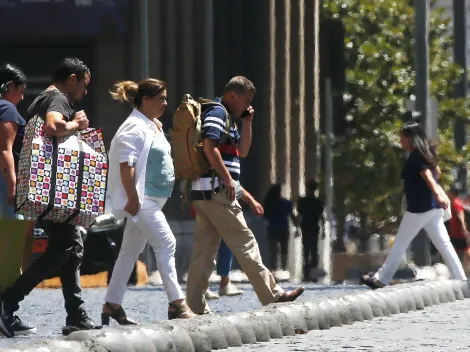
(240, 85)
(71, 66)
(312, 185)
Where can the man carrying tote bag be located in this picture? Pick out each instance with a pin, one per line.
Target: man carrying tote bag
(65, 249)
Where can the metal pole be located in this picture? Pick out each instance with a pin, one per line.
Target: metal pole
(316, 86)
(208, 46)
(144, 40)
(460, 58)
(421, 246)
(325, 247)
(329, 148)
(147, 255)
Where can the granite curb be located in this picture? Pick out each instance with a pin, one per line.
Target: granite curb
(213, 332)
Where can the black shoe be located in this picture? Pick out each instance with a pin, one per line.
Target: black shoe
(371, 282)
(6, 320)
(78, 322)
(21, 328)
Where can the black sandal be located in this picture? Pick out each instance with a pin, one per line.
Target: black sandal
(180, 311)
(372, 282)
(117, 314)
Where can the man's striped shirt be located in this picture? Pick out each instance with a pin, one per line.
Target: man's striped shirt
(213, 127)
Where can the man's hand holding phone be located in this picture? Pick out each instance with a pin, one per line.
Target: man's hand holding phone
(248, 114)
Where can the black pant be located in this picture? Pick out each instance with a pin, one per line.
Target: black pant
(278, 238)
(310, 249)
(64, 254)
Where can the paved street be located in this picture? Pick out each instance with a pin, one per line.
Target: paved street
(44, 308)
(445, 327)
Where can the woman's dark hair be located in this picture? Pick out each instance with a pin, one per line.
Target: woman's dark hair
(419, 142)
(273, 196)
(70, 66)
(129, 91)
(10, 73)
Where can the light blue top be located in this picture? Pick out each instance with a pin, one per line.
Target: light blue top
(160, 174)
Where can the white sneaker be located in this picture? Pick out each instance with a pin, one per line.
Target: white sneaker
(230, 290)
(208, 310)
(211, 295)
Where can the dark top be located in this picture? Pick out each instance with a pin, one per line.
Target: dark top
(277, 215)
(49, 101)
(310, 210)
(419, 196)
(8, 112)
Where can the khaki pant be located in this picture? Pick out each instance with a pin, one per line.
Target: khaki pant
(219, 218)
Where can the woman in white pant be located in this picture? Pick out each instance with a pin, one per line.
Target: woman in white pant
(425, 208)
(141, 179)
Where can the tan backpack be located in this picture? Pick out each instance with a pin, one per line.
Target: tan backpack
(186, 145)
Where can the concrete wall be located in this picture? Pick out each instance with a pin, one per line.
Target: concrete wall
(271, 42)
(110, 64)
(197, 45)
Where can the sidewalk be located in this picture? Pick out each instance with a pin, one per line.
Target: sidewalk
(444, 327)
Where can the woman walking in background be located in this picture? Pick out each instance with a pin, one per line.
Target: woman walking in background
(141, 181)
(425, 203)
(277, 211)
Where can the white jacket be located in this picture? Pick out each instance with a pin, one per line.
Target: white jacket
(131, 144)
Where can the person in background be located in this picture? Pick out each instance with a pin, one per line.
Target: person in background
(12, 124)
(459, 236)
(141, 180)
(425, 204)
(12, 85)
(310, 209)
(277, 211)
(223, 268)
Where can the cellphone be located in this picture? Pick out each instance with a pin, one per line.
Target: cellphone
(245, 114)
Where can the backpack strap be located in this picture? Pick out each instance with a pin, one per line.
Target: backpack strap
(206, 104)
(185, 199)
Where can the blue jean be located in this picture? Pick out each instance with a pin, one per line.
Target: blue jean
(225, 255)
(6, 210)
(224, 260)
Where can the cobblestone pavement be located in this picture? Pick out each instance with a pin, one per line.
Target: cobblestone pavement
(444, 327)
(44, 308)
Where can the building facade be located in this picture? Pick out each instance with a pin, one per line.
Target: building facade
(194, 45)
